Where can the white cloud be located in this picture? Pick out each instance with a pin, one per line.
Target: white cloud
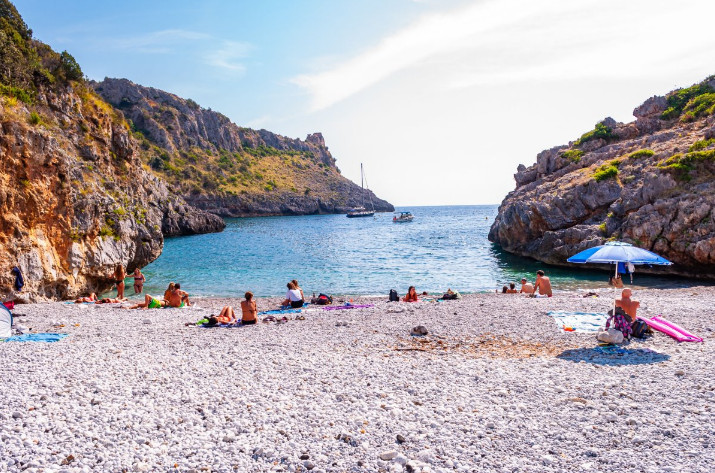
(227, 55)
(501, 41)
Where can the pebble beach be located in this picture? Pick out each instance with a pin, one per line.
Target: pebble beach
(495, 385)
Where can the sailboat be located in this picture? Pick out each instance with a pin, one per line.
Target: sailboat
(362, 211)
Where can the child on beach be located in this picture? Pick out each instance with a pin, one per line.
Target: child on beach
(139, 280)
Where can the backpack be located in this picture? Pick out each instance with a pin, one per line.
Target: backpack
(393, 296)
(640, 329)
(324, 300)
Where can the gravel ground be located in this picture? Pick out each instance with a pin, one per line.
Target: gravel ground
(494, 386)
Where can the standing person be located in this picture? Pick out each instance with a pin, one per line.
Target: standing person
(297, 286)
(248, 310)
(411, 295)
(293, 297)
(543, 284)
(139, 280)
(526, 287)
(119, 275)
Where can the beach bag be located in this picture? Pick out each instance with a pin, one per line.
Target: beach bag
(393, 296)
(612, 336)
(324, 299)
(640, 329)
(620, 322)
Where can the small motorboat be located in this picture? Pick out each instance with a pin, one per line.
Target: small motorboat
(360, 212)
(403, 217)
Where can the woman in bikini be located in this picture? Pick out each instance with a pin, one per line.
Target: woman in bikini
(119, 275)
(139, 280)
(249, 310)
(92, 298)
(169, 290)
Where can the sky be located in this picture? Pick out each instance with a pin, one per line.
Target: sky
(440, 99)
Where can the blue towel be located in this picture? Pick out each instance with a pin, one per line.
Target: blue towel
(583, 322)
(284, 311)
(38, 337)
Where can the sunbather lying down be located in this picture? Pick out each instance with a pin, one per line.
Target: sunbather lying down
(109, 300)
(149, 303)
(91, 298)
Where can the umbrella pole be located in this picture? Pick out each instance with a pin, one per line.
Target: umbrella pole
(615, 291)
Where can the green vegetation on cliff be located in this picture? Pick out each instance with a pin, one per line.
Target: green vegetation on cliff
(27, 64)
(692, 102)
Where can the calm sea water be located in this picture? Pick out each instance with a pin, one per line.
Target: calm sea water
(443, 247)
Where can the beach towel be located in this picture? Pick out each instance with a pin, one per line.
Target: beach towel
(283, 311)
(341, 307)
(38, 337)
(582, 322)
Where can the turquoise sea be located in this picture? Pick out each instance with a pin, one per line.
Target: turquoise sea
(444, 247)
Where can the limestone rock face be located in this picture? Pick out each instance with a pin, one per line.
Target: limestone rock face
(559, 207)
(308, 182)
(75, 200)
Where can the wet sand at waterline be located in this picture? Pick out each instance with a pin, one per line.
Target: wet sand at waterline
(494, 386)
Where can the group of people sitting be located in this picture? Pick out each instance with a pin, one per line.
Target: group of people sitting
(540, 288)
(173, 297)
(294, 297)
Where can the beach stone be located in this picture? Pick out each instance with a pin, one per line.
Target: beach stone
(419, 330)
(388, 455)
(400, 439)
(17, 415)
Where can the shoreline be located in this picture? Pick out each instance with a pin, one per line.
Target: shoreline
(494, 384)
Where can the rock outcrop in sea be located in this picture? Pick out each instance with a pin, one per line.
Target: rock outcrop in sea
(648, 182)
(229, 170)
(75, 199)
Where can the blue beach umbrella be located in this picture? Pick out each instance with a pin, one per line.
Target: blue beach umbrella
(615, 252)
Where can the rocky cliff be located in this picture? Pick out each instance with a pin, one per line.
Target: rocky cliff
(229, 170)
(75, 198)
(648, 182)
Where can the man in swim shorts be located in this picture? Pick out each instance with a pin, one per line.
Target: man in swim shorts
(149, 303)
(628, 305)
(543, 284)
(526, 287)
(177, 297)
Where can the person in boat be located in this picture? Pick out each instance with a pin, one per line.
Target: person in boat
(91, 298)
(615, 281)
(542, 284)
(411, 295)
(118, 276)
(526, 287)
(629, 306)
(294, 298)
(248, 310)
(139, 281)
(297, 286)
(512, 288)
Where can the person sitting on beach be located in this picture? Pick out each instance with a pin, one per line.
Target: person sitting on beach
(526, 287)
(616, 281)
(91, 298)
(543, 284)
(411, 295)
(149, 303)
(512, 288)
(139, 280)
(293, 297)
(629, 306)
(177, 297)
(248, 310)
(297, 286)
(169, 290)
(227, 316)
